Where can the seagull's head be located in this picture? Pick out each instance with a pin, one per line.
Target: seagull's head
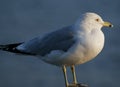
(92, 21)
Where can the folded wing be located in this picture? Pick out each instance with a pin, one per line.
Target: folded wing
(61, 40)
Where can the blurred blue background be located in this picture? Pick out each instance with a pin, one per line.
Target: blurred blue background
(21, 20)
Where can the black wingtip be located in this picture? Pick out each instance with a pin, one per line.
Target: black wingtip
(9, 47)
(12, 48)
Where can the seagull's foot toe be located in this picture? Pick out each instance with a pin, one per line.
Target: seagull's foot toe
(82, 85)
(77, 85)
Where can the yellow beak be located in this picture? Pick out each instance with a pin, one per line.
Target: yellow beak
(107, 24)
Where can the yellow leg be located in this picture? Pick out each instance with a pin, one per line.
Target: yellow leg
(65, 76)
(74, 74)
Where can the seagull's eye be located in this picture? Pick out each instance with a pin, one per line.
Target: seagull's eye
(97, 20)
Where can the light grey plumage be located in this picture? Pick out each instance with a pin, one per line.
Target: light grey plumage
(61, 39)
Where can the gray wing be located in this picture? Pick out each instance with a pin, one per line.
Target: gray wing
(58, 40)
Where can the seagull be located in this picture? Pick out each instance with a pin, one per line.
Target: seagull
(68, 46)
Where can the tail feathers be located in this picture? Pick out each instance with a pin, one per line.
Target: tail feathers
(12, 48)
